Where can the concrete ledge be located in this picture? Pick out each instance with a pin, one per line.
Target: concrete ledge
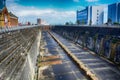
(88, 72)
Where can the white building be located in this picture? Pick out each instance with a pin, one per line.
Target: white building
(96, 15)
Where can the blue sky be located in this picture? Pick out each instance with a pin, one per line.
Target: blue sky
(52, 11)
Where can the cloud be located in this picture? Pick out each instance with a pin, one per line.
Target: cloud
(76, 0)
(32, 13)
(80, 7)
(92, 0)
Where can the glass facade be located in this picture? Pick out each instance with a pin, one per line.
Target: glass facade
(82, 16)
(119, 12)
(112, 12)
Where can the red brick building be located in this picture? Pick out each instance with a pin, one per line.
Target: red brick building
(7, 19)
(13, 19)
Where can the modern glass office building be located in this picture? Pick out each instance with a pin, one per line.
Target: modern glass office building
(119, 12)
(82, 16)
(114, 12)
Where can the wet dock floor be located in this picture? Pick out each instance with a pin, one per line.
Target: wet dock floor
(64, 69)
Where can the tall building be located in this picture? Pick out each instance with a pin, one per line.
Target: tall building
(114, 12)
(82, 16)
(7, 19)
(41, 22)
(119, 12)
(97, 15)
(38, 21)
(94, 15)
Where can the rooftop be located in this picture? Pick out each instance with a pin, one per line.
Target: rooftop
(12, 15)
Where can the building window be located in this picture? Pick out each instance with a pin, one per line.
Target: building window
(97, 13)
(97, 21)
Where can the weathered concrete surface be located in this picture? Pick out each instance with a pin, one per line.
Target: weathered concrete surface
(97, 65)
(15, 53)
(30, 66)
(104, 41)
